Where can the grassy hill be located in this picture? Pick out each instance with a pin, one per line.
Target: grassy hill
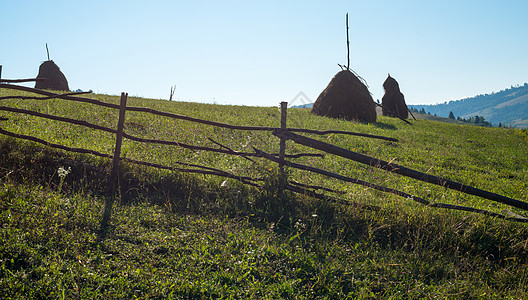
(182, 236)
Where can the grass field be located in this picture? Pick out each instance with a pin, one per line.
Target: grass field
(181, 236)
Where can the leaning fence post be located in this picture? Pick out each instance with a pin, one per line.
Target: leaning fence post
(282, 145)
(114, 175)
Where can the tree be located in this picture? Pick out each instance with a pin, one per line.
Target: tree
(451, 115)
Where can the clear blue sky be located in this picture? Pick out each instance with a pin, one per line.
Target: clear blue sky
(261, 53)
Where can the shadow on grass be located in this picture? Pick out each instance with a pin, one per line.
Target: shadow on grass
(381, 125)
(266, 207)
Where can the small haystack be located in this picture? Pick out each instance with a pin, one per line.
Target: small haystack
(393, 102)
(55, 80)
(346, 97)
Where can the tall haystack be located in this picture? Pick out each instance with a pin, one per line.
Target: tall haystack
(55, 80)
(346, 97)
(393, 101)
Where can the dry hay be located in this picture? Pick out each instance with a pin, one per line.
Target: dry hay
(346, 97)
(393, 101)
(55, 80)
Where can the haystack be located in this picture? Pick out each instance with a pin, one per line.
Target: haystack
(346, 97)
(393, 101)
(55, 80)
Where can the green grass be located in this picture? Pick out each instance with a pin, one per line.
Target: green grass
(186, 236)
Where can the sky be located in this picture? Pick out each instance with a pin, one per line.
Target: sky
(259, 53)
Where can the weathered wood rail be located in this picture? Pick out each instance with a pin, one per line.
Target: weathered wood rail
(394, 168)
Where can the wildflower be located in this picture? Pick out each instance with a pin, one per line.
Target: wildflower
(63, 172)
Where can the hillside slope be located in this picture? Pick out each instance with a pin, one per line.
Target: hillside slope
(176, 235)
(508, 107)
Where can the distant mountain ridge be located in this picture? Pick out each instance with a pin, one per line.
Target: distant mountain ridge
(508, 107)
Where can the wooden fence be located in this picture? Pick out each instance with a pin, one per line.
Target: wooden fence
(283, 133)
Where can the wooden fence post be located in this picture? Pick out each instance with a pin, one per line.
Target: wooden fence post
(282, 144)
(114, 175)
(119, 137)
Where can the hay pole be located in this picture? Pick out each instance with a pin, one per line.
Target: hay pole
(348, 45)
(47, 51)
(387, 166)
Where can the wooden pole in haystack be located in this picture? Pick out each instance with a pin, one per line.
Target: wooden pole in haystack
(47, 51)
(348, 45)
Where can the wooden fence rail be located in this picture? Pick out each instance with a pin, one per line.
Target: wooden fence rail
(186, 118)
(120, 134)
(22, 80)
(198, 168)
(373, 162)
(138, 139)
(386, 189)
(283, 133)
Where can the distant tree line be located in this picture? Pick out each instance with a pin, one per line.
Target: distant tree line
(476, 120)
(422, 111)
